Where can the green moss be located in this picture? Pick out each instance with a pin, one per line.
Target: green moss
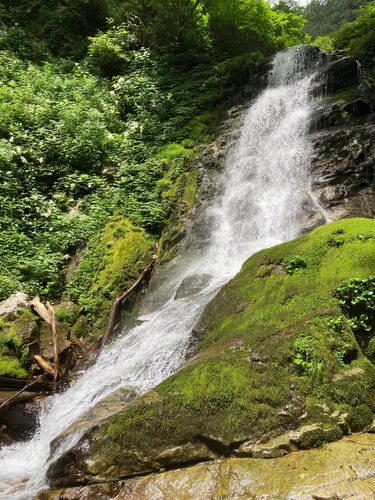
(80, 328)
(245, 377)
(120, 256)
(278, 299)
(191, 188)
(229, 398)
(360, 417)
(67, 313)
(14, 358)
(12, 367)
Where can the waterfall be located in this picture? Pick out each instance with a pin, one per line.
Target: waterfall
(264, 182)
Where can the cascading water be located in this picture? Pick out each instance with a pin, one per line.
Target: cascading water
(264, 182)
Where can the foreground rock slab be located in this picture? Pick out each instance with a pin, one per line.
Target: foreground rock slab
(337, 470)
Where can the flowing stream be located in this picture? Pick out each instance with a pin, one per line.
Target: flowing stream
(265, 180)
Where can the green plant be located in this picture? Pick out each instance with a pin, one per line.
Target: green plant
(358, 291)
(336, 324)
(294, 264)
(360, 322)
(340, 354)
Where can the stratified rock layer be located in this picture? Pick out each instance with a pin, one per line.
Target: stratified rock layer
(336, 471)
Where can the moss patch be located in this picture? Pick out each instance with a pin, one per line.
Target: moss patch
(120, 256)
(14, 358)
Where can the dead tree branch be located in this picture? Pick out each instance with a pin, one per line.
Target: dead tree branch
(118, 300)
(8, 401)
(43, 364)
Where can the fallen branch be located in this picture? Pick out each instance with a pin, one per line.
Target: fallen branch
(55, 349)
(43, 364)
(7, 402)
(65, 383)
(41, 309)
(76, 341)
(117, 302)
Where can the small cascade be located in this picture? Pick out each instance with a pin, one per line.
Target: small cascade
(266, 181)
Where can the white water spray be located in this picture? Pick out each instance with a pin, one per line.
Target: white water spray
(261, 206)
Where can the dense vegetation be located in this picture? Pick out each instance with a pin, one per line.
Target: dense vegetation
(356, 39)
(326, 16)
(102, 102)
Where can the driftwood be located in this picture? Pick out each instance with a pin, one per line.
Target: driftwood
(41, 309)
(46, 315)
(8, 401)
(43, 364)
(118, 300)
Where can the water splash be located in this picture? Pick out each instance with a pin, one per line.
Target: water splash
(265, 179)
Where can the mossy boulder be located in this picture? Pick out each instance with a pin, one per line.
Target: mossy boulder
(67, 313)
(278, 354)
(80, 328)
(14, 357)
(120, 256)
(339, 470)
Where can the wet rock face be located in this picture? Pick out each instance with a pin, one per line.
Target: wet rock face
(342, 163)
(192, 284)
(342, 147)
(339, 470)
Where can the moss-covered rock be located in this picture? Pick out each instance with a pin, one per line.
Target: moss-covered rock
(343, 469)
(14, 358)
(114, 265)
(67, 313)
(80, 328)
(277, 354)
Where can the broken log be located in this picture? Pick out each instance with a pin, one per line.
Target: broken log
(119, 299)
(41, 309)
(76, 341)
(7, 402)
(43, 364)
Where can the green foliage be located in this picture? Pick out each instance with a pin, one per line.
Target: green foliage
(336, 323)
(356, 38)
(356, 296)
(249, 25)
(294, 264)
(305, 359)
(8, 285)
(324, 17)
(110, 51)
(39, 30)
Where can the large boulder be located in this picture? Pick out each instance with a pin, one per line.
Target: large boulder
(278, 356)
(9, 307)
(341, 470)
